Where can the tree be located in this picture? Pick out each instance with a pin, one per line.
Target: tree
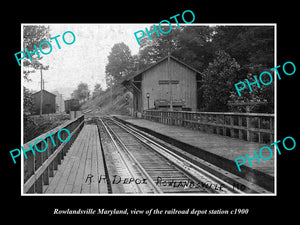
(153, 50)
(27, 101)
(32, 36)
(226, 54)
(191, 44)
(194, 46)
(82, 92)
(97, 91)
(120, 64)
(253, 48)
(263, 94)
(218, 82)
(28, 108)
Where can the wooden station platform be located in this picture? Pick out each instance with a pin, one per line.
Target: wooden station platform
(83, 158)
(222, 146)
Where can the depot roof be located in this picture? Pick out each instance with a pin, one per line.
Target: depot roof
(159, 61)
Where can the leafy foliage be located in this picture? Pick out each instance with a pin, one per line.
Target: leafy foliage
(82, 92)
(225, 54)
(217, 82)
(251, 45)
(120, 64)
(32, 36)
(27, 101)
(97, 91)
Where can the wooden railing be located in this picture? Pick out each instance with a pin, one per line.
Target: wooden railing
(39, 167)
(256, 127)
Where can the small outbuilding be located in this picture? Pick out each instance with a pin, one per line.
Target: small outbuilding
(72, 105)
(169, 84)
(48, 105)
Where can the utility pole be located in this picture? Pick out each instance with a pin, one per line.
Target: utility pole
(37, 64)
(44, 83)
(41, 106)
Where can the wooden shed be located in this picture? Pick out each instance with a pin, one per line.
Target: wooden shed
(72, 105)
(48, 102)
(169, 84)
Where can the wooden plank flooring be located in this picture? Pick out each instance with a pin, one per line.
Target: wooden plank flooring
(83, 159)
(226, 147)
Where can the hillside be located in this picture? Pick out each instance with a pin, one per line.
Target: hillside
(112, 101)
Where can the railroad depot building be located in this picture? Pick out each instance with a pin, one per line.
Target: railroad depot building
(167, 84)
(48, 102)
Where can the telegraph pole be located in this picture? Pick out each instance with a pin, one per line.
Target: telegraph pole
(41, 106)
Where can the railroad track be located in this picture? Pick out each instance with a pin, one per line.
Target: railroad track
(142, 165)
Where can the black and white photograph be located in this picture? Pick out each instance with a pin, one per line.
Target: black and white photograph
(162, 117)
(172, 113)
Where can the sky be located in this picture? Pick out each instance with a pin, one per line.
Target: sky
(85, 59)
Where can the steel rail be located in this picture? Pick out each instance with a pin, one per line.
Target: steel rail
(179, 161)
(112, 135)
(123, 160)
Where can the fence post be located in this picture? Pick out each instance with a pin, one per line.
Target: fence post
(248, 126)
(182, 118)
(39, 183)
(45, 156)
(204, 126)
(55, 162)
(220, 122)
(29, 169)
(260, 139)
(50, 151)
(231, 124)
(271, 128)
(240, 122)
(196, 119)
(224, 123)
